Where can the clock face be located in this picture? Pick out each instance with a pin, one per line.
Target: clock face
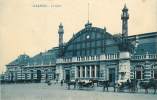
(87, 36)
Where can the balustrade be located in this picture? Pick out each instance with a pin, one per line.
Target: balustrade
(146, 56)
(89, 58)
(104, 57)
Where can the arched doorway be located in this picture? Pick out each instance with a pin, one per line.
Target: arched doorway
(139, 72)
(11, 77)
(67, 75)
(154, 71)
(38, 75)
(31, 72)
(112, 75)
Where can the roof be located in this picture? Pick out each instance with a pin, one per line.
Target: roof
(147, 42)
(151, 48)
(43, 58)
(21, 60)
(88, 27)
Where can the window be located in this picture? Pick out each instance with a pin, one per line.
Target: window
(83, 52)
(154, 72)
(78, 53)
(98, 43)
(93, 71)
(138, 74)
(70, 47)
(93, 35)
(88, 71)
(92, 51)
(78, 39)
(98, 71)
(93, 44)
(83, 71)
(98, 35)
(78, 46)
(98, 51)
(83, 45)
(88, 44)
(78, 71)
(88, 52)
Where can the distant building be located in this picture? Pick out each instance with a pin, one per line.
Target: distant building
(92, 53)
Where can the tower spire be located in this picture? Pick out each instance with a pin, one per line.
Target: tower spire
(60, 32)
(124, 18)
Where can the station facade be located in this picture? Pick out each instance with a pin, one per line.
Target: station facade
(92, 53)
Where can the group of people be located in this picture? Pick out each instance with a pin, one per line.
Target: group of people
(130, 85)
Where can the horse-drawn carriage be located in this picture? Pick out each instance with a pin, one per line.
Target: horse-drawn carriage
(126, 85)
(151, 84)
(80, 84)
(85, 84)
(131, 86)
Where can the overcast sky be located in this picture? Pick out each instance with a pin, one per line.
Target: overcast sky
(30, 30)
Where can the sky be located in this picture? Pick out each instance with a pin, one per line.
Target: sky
(30, 26)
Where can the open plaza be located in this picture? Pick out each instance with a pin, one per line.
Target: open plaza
(42, 91)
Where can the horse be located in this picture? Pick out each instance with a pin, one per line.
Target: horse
(104, 83)
(132, 85)
(71, 82)
(153, 84)
(145, 85)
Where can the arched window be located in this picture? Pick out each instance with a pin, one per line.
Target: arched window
(154, 71)
(78, 71)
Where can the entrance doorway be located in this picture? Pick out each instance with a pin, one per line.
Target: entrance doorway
(38, 76)
(112, 75)
(67, 75)
(11, 77)
(31, 75)
(139, 72)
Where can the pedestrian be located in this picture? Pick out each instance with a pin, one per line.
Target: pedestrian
(61, 82)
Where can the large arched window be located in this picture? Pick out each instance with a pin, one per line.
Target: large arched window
(89, 42)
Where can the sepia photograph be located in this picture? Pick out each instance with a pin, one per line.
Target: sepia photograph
(78, 49)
